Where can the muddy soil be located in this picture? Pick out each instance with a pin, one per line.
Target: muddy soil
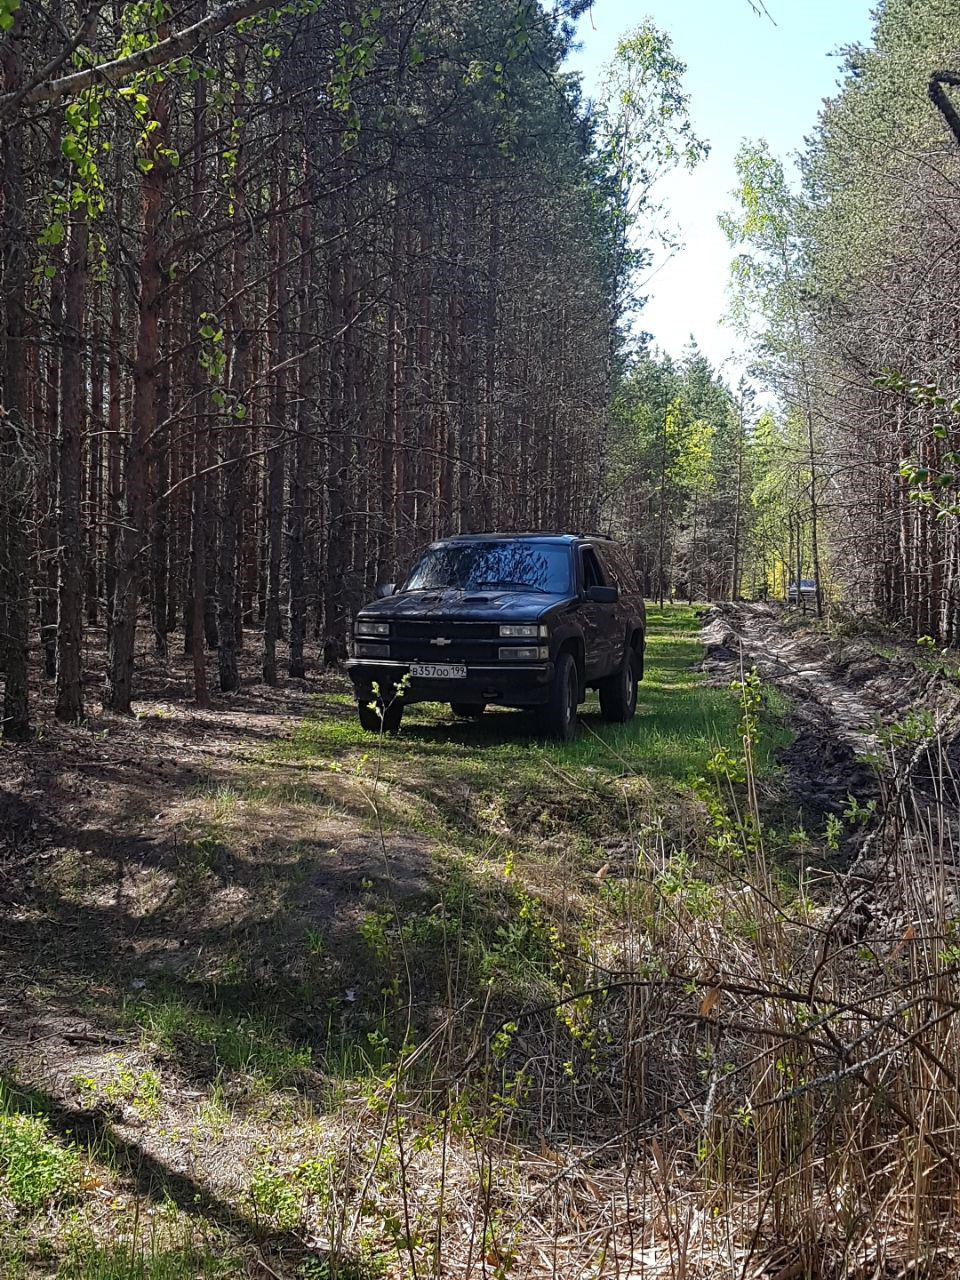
(875, 718)
(845, 695)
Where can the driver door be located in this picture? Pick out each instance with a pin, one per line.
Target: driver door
(598, 619)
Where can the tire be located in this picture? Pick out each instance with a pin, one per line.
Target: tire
(380, 718)
(618, 693)
(558, 717)
(468, 710)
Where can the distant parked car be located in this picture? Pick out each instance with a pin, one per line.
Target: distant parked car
(807, 593)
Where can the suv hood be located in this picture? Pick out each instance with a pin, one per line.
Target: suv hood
(468, 606)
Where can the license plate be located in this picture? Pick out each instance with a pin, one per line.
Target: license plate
(438, 670)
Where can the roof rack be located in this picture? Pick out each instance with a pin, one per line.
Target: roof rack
(530, 533)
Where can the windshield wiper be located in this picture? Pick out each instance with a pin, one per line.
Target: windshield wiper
(524, 586)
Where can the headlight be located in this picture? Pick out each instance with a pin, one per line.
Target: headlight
(523, 652)
(525, 631)
(367, 627)
(364, 650)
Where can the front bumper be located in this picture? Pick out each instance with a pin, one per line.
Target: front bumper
(513, 684)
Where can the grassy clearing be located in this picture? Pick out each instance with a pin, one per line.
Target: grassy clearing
(404, 997)
(680, 723)
(493, 785)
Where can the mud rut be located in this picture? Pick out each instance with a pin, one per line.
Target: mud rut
(843, 694)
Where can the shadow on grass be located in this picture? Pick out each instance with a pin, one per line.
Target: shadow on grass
(308, 928)
(145, 1175)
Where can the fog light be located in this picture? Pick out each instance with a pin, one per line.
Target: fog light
(522, 652)
(365, 650)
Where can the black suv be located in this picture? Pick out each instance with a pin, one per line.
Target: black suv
(524, 620)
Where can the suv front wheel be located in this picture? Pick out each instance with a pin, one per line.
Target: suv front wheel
(618, 693)
(558, 716)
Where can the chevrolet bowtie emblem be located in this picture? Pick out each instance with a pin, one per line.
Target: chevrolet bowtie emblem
(440, 640)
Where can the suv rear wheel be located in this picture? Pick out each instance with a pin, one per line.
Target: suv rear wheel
(558, 716)
(468, 710)
(618, 693)
(377, 715)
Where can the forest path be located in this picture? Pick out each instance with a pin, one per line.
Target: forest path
(876, 719)
(855, 691)
(839, 693)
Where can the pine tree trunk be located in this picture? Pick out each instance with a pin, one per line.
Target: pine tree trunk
(198, 576)
(276, 447)
(14, 461)
(115, 440)
(118, 692)
(69, 703)
(336, 532)
(94, 477)
(301, 454)
(160, 501)
(47, 558)
(227, 594)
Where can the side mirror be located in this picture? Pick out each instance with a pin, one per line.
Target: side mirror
(603, 595)
(385, 589)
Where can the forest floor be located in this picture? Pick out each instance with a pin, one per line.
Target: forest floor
(282, 999)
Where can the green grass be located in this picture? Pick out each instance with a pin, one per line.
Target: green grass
(247, 1041)
(35, 1169)
(140, 1089)
(88, 1260)
(680, 723)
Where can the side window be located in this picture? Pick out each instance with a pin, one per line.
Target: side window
(626, 578)
(592, 573)
(614, 569)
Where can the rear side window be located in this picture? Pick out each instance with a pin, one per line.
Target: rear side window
(592, 573)
(618, 569)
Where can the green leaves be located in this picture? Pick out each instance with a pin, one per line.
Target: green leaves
(81, 146)
(136, 100)
(767, 273)
(352, 61)
(8, 13)
(644, 124)
(54, 234)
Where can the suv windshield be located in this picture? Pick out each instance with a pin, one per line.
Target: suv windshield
(501, 566)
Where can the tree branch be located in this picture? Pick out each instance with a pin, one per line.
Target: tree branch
(120, 69)
(941, 100)
(10, 101)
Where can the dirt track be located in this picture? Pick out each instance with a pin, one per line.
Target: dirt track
(834, 709)
(876, 718)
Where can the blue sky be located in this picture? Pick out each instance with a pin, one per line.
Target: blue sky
(747, 77)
